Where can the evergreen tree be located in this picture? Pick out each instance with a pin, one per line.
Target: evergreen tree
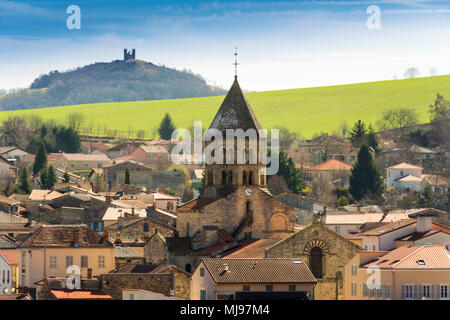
(43, 178)
(426, 199)
(51, 177)
(358, 133)
(66, 177)
(290, 173)
(24, 181)
(40, 161)
(127, 176)
(372, 139)
(166, 128)
(365, 179)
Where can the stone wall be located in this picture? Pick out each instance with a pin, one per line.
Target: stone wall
(114, 283)
(337, 252)
(229, 212)
(155, 250)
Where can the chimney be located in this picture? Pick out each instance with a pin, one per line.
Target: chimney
(423, 224)
(120, 221)
(358, 207)
(132, 211)
(108, 199)
(225, 267)
(324, 210)
(76, 237)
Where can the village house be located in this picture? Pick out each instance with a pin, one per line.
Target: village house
(156, 157)
(15, 226)
(17, 156)
(52, 249)
(8, 172)
(9, 205)
(122, 149)
(165, 279)
(405, 273)
(345, 222)
(113, 214)
(249, 279)
(114, 173)
(418, 231)
(91, 147)
(79, 161)
(405, 176)
(333, 171)
(55, 288)
(39, 198)
(132, 228)
(125, 255)
(325, 147)
(9, 271)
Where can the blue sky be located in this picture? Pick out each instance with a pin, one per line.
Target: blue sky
(281, 44)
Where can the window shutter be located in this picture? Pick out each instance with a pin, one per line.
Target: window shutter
(403, 292)
(438, 291)
(432, 291)
(415, 294)
(420, 294)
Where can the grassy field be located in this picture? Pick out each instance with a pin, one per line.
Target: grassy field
(306, 111)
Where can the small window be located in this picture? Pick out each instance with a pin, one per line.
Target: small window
(426, 291)
(421, 262)
(202, 294)
(354, 270)
(353, 289)
(52, 261)
(269, 288)
(145, 227)
(101, 261)
(202, 272)
(409, 291)
(444, 292)
(292, 288)
(246, 288)
(387, 291)
(373, 248)
(84, 261)
(69, 261)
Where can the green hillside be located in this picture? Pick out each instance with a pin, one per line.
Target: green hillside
(307, 111)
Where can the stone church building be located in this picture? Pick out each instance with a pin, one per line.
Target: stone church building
(235, 204)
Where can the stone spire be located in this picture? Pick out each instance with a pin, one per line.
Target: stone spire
(235, 112)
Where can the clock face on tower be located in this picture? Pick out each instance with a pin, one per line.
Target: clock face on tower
(248, 192)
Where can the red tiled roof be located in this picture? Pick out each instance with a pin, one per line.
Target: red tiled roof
(63, 294)
(95, 145)
(11, 256)
(254, 249)
(331, 165)
(404, 166)
(410, 257)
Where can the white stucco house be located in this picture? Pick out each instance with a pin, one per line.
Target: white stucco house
(405, 176)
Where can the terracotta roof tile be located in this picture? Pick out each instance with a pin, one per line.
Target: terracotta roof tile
(413, 257)
(63, 236)
(404, 166)
(267, 270)
(331, 165)
(44, 195)
(64, 294)
(12, 256)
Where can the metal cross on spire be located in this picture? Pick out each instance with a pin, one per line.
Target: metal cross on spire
(235, 62)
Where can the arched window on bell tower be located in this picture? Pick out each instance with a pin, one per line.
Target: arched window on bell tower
(244, 177)
(250, 177)
(224, 177)
(230, 177)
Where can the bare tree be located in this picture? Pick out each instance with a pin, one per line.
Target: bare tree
(411, 73)
(344, 129)
(75, 120)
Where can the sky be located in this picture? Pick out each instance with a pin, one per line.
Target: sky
(281, 44)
